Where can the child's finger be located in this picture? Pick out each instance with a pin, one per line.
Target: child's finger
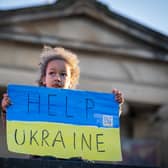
(5, 98)
(114, 90)
(6, 102)
(118, 95)
(5, 95)
(120, 99)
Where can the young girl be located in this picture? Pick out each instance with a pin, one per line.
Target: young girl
(58, 69)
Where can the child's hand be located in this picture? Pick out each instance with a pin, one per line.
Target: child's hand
(118, 96)
(5, 102)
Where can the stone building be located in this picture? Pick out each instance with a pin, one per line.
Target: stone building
(114, 52)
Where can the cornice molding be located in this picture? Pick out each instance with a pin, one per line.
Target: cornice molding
(117, 49)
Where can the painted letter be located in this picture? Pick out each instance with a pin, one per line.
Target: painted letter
(99, 142)
(88, 144)
(44, 137)
(33, 102)
(89, 105)
(23, 139)
(59, 133)
(32, 137)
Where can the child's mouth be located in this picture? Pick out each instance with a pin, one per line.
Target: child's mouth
(57, 85)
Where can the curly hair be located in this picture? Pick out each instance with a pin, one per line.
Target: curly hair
(58, 53)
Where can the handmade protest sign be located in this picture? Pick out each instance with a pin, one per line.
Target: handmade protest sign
(63, 123)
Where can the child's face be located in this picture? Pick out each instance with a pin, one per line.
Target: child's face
(58, 74)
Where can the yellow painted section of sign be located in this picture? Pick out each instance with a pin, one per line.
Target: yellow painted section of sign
(64, 140)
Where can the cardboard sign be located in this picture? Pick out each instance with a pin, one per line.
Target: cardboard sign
(63, 123)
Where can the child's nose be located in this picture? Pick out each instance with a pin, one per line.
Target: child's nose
(57, 77)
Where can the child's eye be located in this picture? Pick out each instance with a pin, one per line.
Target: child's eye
(64, 74)
(51, 73)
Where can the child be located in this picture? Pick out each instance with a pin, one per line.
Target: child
(58, 69)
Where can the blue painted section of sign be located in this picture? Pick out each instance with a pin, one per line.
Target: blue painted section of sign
(35, 104)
